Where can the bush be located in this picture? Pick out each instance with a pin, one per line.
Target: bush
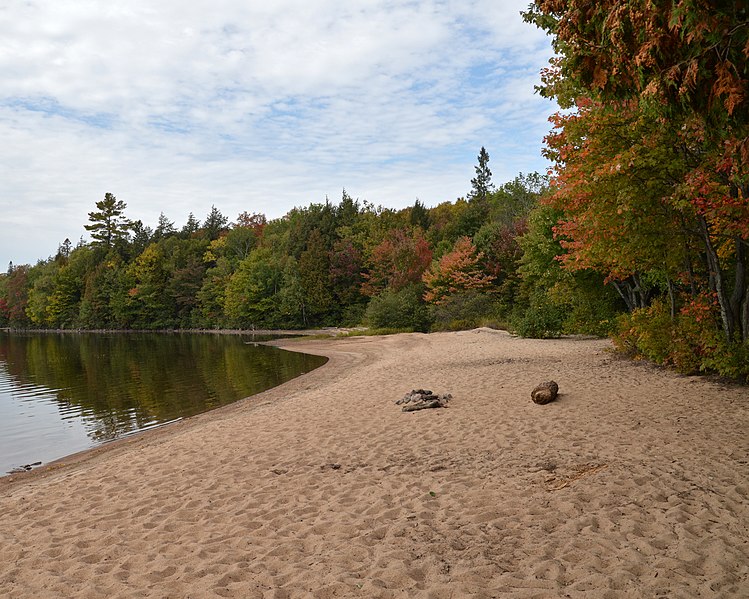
(691, 342)
(403, 309)
(541, 320)
(352, 315)
(460, 311)
(646, 333)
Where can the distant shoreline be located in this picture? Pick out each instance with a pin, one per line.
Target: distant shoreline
(329, 331)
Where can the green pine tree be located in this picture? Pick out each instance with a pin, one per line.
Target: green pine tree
(108, 225)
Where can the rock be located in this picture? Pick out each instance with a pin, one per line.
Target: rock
(421, 399)
(545, 393)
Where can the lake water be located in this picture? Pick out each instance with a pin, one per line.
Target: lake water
(63, 393)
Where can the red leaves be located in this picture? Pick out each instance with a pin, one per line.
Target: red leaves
(399, 260)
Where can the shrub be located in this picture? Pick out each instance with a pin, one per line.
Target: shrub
(464, 310)
(541, 320)
(691, 342)
(402, 309)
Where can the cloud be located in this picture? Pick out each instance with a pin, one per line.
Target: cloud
(176, 106)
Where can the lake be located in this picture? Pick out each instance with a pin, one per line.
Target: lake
(61, 393)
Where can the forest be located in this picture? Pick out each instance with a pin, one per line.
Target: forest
(639, 231)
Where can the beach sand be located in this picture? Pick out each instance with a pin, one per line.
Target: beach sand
(634, 483)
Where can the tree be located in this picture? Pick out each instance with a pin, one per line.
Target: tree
(252, 220)
(314, 272)
(17, 295)
(685, 63)
(419, 215)
(252, 292)
(63, 250)
(481, 184)
(108, 223)
(192, 226)
(399, 260)
(215, 224)
(41, 286)
(153, 307)
(689, 57)
(142, 236)
(456, 272)
(345, 272)
(164, 228)
(515, 199)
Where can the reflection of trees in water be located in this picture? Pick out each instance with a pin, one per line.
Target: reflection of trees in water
(118, 383)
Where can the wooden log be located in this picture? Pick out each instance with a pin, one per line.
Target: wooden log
(545, 393)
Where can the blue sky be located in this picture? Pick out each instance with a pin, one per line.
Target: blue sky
(176, 106)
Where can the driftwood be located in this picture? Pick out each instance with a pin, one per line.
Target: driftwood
(25, 468)
(422, 399)
(545, 393)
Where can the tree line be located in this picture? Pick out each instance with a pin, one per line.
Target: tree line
(346, 263)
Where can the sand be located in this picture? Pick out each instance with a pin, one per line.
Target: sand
(634, 483)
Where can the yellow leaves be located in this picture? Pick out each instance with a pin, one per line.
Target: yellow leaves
(215, 249)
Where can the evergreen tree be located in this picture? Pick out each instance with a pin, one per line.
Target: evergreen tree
(108, 224)
(481, 184)
(215, 224)
(191, 227)
(142, 236)
(419, 215)
(165, 228)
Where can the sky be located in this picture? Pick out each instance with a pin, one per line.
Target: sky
(257, 106)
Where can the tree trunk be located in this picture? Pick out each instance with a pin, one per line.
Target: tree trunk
(671, 298)
(634, 294)
(716, 280)
(738, 297)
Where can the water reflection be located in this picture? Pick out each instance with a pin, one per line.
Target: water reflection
(61, 393)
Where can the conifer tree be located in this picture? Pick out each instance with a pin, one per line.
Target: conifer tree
(481, 184)
(108, 224)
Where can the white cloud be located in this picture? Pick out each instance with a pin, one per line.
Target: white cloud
(260, 106)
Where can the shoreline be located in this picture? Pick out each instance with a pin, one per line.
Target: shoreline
(634, 483)
(246, 404)
(289, 333)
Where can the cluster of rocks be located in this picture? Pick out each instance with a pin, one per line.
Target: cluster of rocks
(421, 399)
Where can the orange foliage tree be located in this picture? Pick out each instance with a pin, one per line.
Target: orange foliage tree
(457, 271)
(653, 166)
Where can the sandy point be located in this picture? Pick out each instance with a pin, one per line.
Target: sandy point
(633, 483)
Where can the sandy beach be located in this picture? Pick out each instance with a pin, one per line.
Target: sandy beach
(634, 483)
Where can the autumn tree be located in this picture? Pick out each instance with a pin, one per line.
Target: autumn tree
(401, 258)
(678, 74)
(456, 272)
(346, 263)
(16, 298)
